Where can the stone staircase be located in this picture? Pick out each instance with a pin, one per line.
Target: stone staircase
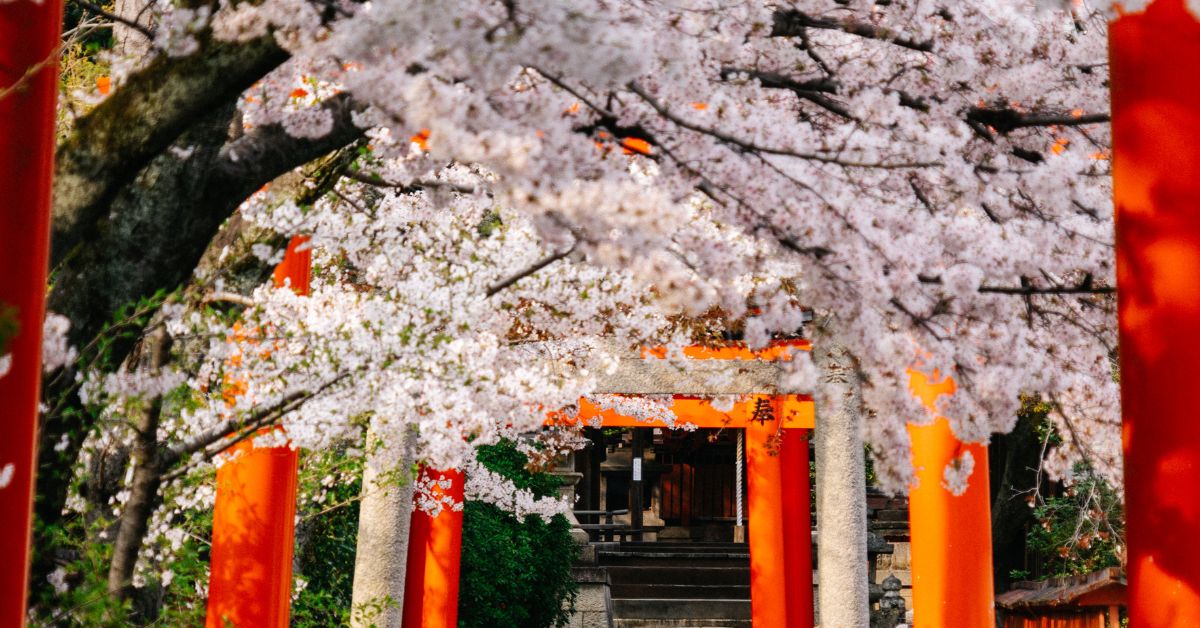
(678, 584)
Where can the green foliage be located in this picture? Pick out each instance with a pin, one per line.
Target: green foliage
(84, 600)
(1080, 531)
(325, 554)
(515, 573)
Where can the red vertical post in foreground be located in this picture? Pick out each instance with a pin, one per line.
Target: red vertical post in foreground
(254, 517)
(1155, 73)
(29, 36)
(434, 557)
(951, 534)
(765, 511)
(797, 521)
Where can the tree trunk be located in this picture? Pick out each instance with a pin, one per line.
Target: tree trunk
(1017, 454)
(843, 596)
(147, 476)
(384, 516)
(128, 41)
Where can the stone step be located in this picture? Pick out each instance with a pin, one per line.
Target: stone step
(676, 591)
(682, 623)
(692, 575)
(682, 546)
(682, 559)
(699, 611)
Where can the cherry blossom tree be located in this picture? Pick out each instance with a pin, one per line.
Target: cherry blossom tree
(490, 188)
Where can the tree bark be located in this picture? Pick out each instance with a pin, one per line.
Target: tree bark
(384, 516)
(1017, 454)
(147, 476)
(128, 41)
(843, 596)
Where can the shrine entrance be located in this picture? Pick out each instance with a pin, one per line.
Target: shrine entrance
(682, 476)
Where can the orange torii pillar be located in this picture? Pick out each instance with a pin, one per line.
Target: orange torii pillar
(765, 511)
(29, 37)
(254, 517)
(434, 556)
(797, 522)
(1155, 65)
(951, 534)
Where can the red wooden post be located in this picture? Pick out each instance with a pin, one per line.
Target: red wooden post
(1155, 62)
(434, 557)
(951, 534)
(254, 516)
(797, 522)
(29, 36)
(765, 508)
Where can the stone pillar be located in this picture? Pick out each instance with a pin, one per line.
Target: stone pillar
(593, 605)
(384, 517)
(568, 478)
(842, 596)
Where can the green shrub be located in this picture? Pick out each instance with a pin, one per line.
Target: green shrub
(1080, 531)
(515, 573)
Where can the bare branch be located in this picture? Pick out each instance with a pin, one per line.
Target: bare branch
(98, 10)
(228, 297)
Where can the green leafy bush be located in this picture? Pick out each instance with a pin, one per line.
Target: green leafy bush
(1080, 531)
(515, 573)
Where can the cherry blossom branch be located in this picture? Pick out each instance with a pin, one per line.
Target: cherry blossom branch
(1083, 287)
(371, 178)
(213, 441)
(792, 22)
(770, 150)
(1033, 290)
(1008, 119)
(540, 264)
(98, 10)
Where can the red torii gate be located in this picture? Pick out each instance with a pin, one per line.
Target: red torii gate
(1155, 67)
(1156, 104)
(781, 585)
(29, 49)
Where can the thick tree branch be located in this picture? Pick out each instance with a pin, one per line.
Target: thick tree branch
(269, 151)
(110, 145)
(147, 477)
